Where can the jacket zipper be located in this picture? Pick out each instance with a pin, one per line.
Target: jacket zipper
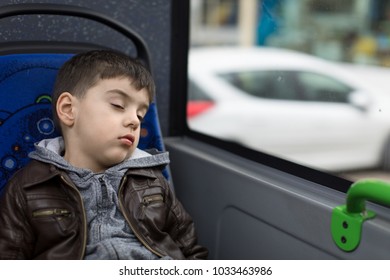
(51, 212)
(105, 202)
(153, 198)
(137, 234)
(84, 216)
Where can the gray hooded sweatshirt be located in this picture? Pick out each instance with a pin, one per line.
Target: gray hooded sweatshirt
(109, 235)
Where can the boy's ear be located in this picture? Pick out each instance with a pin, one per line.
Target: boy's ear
(65, 108)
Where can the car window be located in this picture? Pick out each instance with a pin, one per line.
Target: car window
(265, 84)
(195, 93)
(321, 88)
(310, 79)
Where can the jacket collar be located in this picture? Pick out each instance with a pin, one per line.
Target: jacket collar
(145, 172)
(40, 172)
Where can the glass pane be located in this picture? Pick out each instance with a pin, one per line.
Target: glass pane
(265, 84)
(324, 89)
(305, 80)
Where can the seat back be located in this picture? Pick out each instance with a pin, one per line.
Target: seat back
(26, 82)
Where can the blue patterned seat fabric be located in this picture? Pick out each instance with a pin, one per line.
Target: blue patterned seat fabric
(26, 81)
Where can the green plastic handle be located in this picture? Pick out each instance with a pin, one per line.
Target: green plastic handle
(347, 220)
(368, 189)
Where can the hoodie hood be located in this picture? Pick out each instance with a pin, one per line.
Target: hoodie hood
(51, 151)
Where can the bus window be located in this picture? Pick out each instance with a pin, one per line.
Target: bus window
(304, 81)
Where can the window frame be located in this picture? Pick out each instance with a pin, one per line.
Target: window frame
(177, 123)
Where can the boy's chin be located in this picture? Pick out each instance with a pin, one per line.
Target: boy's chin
(122, 159)
(115, 161)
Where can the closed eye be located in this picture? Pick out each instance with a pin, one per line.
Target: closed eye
(117, 106)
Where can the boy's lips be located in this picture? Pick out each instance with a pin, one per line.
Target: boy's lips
(127, 139)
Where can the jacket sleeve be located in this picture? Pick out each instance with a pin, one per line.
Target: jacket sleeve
(186, 234)
(15, 236)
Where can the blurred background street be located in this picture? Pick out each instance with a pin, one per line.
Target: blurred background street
(304, 80)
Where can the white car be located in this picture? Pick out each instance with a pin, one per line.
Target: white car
(296, 106)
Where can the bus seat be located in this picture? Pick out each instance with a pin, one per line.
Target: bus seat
(26, 82)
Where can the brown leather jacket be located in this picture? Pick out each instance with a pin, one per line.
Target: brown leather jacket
(42, 215)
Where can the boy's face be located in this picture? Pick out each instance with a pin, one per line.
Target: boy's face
(106, 127)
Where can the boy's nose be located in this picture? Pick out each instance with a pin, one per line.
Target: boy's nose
(132, 121)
